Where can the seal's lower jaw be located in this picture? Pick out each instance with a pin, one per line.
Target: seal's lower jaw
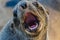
(31, 23)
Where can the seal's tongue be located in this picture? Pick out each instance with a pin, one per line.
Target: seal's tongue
(30, 20)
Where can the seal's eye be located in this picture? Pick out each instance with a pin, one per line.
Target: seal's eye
(24, 5)
(35, 3)
(31, 21)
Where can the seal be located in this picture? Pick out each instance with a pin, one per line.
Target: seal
(29, 22)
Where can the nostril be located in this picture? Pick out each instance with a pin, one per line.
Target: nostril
(24, 5)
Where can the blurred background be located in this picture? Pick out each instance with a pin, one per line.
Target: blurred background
(53, 7)
(5, 13)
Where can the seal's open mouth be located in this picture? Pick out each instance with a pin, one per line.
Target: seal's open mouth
(31, 21)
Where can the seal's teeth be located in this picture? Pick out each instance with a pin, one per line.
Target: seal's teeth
(33, 27)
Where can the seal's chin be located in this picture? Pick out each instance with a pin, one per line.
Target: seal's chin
(31, 22)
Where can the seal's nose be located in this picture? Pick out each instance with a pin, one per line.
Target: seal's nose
(24, 5)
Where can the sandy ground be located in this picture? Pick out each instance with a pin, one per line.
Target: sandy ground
(5, 13)
(54, 20)
(54, 25)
